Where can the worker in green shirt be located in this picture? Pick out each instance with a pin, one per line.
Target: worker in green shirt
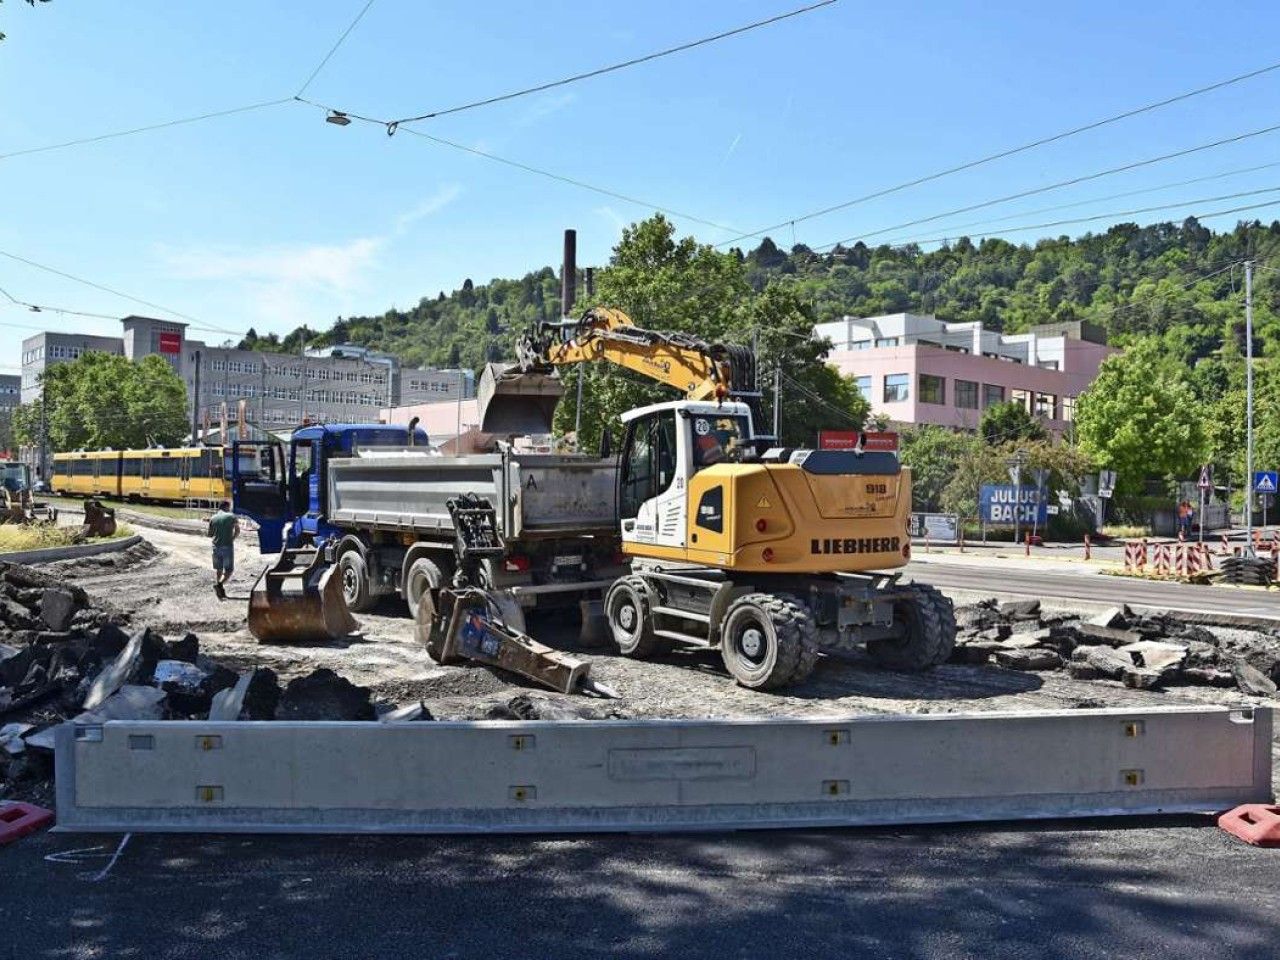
(223, 530)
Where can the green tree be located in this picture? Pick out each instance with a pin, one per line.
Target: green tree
(103, 400)
(934, 455)
(1141, 417)
(1009, 421)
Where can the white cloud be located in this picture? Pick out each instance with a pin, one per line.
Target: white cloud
(544, 107)
(447, 193)
(335, 266)
(618, 221)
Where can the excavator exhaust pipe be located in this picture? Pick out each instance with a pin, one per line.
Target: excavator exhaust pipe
(299, 599)
(517, 402)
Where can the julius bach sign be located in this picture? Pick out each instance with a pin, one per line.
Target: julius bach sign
(1007, 504)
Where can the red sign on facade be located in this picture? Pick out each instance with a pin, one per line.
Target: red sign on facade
(170, 343)
(851, 439)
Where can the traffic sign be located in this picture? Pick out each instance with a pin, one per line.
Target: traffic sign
(1206, 477)
(1266, 481)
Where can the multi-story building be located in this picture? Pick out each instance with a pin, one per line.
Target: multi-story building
(333, 384)
(10, 395)
(918, 369)
(43, 350)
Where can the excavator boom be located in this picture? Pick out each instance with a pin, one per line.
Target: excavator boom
(521, 398)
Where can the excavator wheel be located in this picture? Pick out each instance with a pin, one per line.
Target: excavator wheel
(627, 607)
(929, 632)
(768, 640)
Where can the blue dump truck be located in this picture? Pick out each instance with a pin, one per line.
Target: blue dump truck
(372, 498)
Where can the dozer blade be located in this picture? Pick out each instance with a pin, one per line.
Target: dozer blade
(299, 599)
(516, 402)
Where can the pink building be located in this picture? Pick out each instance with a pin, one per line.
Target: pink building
(918, 369)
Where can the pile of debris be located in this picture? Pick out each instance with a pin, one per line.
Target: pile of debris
(1146, 652)
(62, 657)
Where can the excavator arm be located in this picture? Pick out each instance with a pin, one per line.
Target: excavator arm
(523, 398)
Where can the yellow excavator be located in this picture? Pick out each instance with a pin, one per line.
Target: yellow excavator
(767, 553)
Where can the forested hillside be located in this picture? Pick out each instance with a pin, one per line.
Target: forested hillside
(1131, 280)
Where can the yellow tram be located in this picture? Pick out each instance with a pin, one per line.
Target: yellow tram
(161, 474)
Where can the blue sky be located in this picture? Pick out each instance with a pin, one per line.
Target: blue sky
(273, 218)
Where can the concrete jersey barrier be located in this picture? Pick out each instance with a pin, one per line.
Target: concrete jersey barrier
(70, 552)
(480, 777)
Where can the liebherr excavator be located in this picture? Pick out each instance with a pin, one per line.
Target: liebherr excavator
(770, 554)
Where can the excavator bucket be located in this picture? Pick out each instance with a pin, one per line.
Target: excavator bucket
(99, 521)
(298, 599)
(516, 402)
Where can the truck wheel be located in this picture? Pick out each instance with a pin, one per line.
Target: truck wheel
(929, 631)
(355, 582)
(420, 584)
(768, 640)
(626, 607)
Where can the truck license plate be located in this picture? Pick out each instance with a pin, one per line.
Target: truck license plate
(566, 561)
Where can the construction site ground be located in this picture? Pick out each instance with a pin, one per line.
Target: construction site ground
(173, 594)
(1160, 888)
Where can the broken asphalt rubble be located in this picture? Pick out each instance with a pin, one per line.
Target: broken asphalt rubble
(62, 657)
(1146, 652)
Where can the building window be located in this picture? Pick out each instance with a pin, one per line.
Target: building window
(897, 387)
(1022, 398)
(1046, 405)
(1068, 408)
(886, 341)
(864, 387)
(966, 393)
(932, 389)
(992, 394)
(1048, 364)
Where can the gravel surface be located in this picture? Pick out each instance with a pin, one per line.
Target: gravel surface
(172, 592)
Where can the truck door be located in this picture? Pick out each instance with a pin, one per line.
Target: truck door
(650, 496)
(258, 492)
(305, 487)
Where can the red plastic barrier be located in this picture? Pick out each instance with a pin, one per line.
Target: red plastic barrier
(19, 819)
(1256, 823)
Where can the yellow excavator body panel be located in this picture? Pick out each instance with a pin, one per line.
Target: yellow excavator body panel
(778, 518)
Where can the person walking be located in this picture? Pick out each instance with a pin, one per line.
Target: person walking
(224, 528)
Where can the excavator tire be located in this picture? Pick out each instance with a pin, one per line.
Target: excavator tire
(768, 640)
(929, 623)
(627, 607)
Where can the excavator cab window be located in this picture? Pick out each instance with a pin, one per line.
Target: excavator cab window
(718, 439)
(648, 461)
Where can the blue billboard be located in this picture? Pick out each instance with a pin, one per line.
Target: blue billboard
(1007, 504)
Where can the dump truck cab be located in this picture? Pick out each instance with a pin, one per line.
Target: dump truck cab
(283, 487)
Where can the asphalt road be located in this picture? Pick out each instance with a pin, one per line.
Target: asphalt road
(1030, 581)
(1161, 889)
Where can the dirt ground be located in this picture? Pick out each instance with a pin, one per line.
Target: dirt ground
(172, 593)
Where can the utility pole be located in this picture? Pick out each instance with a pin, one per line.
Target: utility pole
(302, 390)
(262, 396)
(777, 399)
(195, 403)
(1248, 407)
(457, 443)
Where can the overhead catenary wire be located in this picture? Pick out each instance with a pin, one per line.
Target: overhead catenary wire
(1012, 151)
(528, 168)
(1114, 196)
(334, 49)
(246, 108)
(612, 68)
(1101, 216)
(117, 293)
(1060, 184)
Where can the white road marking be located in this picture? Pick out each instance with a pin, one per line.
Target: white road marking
(102, 875)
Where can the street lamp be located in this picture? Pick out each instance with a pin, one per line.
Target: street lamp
(1015, 464)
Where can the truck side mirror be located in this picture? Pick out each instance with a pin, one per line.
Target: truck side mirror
(606, 444)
